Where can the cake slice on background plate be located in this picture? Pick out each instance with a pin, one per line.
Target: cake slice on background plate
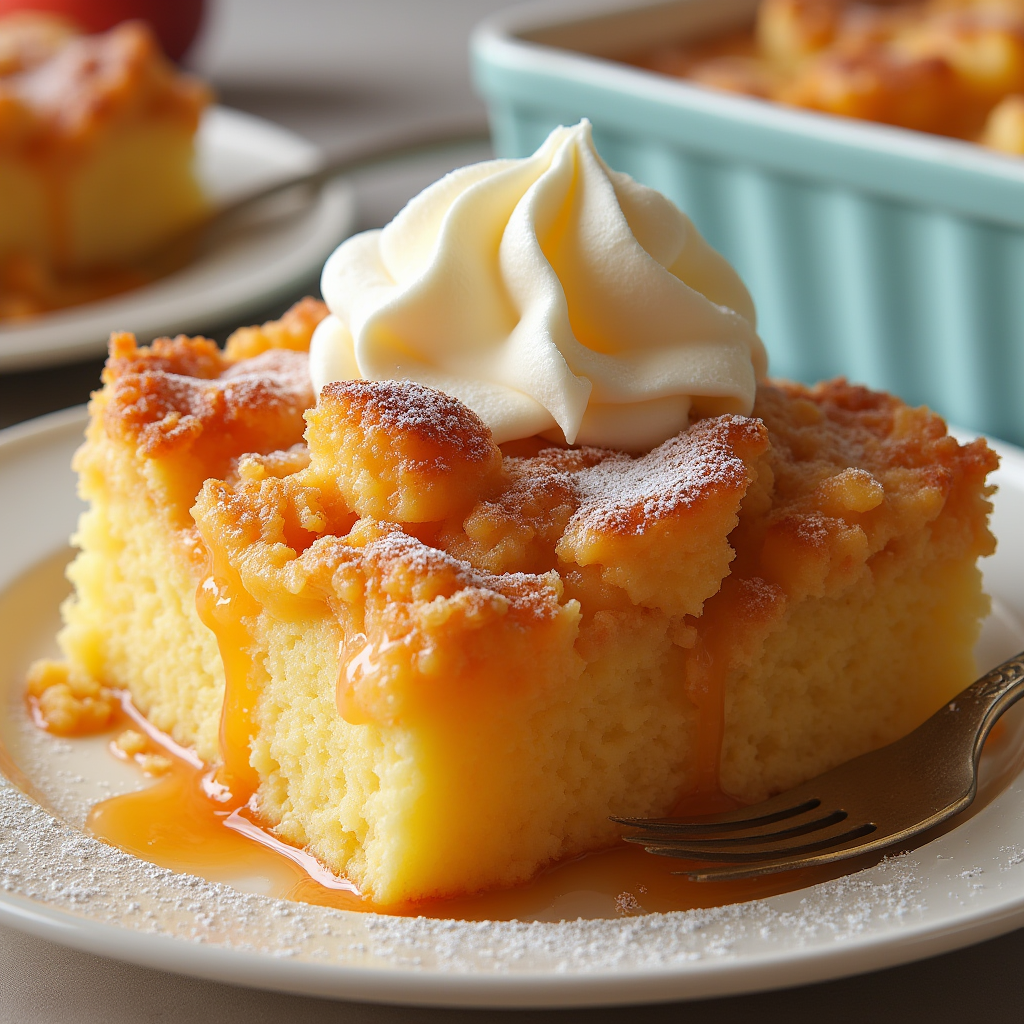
(97, 160)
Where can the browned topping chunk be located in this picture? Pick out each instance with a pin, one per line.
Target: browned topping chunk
(399, 451)
(293, 331)
(69, 703)
(59, 91)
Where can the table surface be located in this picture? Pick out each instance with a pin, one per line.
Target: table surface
(343, 72)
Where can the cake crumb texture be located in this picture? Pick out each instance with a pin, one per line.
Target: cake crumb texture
(68, 702)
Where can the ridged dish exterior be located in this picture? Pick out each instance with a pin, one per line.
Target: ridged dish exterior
(889, 256)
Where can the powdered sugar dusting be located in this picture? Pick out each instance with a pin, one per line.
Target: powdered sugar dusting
(625, 495)
(404, 407)
(284, 370)
(532, 595)
(50, 863)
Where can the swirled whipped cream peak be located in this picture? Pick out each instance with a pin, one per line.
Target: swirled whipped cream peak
(553, 296)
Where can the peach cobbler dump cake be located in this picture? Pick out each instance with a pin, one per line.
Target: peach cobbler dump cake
(96, 160)
(446, 666)
(438, 658)
(953, 67)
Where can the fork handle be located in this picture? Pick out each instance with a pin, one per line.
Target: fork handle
(984, 701)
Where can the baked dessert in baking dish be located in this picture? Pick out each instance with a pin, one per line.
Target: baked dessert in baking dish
(438, 651)
(953, 67)
(96, 160)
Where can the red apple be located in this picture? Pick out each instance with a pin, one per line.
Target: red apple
(175, 22)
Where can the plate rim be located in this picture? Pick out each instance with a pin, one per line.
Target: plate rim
(532, 989)
(520, 990)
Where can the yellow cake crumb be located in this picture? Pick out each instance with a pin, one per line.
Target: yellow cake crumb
(69, 702)
(131, 743)
(135, 746)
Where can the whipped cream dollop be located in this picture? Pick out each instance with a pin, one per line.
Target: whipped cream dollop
(553, 296)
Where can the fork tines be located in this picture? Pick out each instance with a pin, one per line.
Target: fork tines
(751, 845)
(875, 801)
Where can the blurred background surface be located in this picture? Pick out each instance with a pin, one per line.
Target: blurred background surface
(345, 73)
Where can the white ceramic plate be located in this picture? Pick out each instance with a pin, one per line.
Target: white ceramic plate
(247, 268)
(60, 884)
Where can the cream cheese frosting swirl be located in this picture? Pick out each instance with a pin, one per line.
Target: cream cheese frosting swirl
(553, 296)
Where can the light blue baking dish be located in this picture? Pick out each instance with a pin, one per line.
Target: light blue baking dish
(890, 256)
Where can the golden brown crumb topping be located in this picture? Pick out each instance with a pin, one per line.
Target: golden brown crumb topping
(186, 357)
(194, 410)
(401, 516)
(818, 482)
(59, 91)
(943, 66)
(292, 331)
(169, 395)
(628, 496)
(641, 523)
(851, 471)
(812, 486)
(253, 405)
(400, 451)
(406, 489)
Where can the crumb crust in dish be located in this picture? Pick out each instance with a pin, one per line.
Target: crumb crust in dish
(951, 67)
(440, 664)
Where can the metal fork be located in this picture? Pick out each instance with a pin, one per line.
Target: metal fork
(875, 801)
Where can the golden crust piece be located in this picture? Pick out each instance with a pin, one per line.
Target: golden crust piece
(195, 410)
(650, 525)
(504, 524)
(853, 470)
(398, 451)
(169, 394)
(827, 478)
(59, 91)
(292, 331)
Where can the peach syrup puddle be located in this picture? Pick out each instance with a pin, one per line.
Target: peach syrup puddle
(189, 821)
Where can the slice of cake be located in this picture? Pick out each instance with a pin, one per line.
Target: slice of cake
(447, 665)
(96, 158)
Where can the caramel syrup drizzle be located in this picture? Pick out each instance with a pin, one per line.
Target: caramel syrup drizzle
(205, 821)
(189, 821)
(223, 605)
